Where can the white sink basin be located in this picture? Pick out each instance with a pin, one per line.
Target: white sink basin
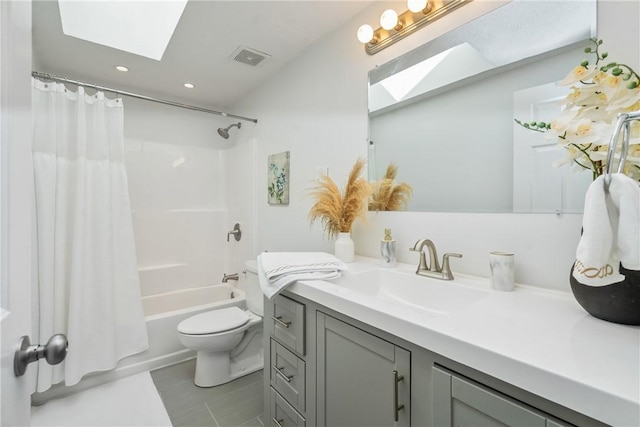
(437, 297)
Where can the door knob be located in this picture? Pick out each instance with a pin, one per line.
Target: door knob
(54, 352)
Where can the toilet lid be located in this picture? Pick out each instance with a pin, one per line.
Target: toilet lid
(213, 322)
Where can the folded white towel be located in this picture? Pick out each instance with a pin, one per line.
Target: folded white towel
(277, 270)
(610, 232)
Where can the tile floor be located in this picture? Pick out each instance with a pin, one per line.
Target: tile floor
(238, 403)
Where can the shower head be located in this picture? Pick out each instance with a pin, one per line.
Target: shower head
(225, 132)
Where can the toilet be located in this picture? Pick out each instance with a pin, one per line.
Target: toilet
(228, 340)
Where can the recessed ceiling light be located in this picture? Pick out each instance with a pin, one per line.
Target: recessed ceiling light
(189, 85)
(121, 68)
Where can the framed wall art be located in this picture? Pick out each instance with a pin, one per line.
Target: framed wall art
(278, 179)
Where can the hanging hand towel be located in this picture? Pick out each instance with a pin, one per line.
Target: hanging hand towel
(610, 232)
(277, 270)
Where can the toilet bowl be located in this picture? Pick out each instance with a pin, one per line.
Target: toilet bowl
(228, 341)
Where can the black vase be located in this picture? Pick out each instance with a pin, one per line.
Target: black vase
(618, 302)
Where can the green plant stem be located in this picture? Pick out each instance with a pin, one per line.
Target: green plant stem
(529, 127)
(593, 167)
(630, 71)
(599, 58)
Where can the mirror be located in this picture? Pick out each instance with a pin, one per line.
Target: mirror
(443, 113)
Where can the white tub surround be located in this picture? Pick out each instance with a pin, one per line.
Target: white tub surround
(541, 341)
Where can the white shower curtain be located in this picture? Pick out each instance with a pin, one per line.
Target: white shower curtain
(86, 281)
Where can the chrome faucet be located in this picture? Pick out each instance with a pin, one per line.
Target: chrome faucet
(433, 255)
(433, 269)
(227, 277)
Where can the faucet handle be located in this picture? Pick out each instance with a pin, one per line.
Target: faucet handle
(446, 269)
(236, 232)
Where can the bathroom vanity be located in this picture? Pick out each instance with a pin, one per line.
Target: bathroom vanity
(381, 347)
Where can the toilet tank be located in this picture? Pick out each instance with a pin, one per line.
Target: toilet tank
(254, 294)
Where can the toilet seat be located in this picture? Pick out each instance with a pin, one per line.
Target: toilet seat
(214, 322)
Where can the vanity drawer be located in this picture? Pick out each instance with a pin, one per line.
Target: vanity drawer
(283, 414)
(288, 323)
(288, 375)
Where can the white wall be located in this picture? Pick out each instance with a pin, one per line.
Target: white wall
(317, 109)
(177, 172)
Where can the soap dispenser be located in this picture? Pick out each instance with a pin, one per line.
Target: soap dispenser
(388, 250)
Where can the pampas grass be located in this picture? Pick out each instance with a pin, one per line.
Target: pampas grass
(337, 210)
(389, 196)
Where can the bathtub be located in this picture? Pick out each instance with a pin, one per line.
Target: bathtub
(163, 312)
(190, 300)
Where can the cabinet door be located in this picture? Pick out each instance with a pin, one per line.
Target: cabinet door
(362, 380)
(458, 402)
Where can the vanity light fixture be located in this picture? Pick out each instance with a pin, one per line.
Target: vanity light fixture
(189, 85)
(121, 68)
(394, 27)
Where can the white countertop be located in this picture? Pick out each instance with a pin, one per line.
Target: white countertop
(541, 341)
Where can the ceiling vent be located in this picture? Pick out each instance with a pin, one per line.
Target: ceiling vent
(249, 56)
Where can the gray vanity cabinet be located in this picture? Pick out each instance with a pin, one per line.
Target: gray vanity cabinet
(363, 380)
(460, 402)
(286, 368)
(325, 369)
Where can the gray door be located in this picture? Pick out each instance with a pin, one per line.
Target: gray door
(458, 402)
(362, 380)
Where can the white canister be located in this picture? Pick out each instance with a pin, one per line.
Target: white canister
(502, 270)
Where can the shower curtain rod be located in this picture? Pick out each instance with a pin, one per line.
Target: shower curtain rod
(45, 76)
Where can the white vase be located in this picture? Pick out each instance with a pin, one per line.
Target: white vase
(344, 248)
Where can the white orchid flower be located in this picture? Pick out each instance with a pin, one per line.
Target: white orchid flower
(625, 99)
(579, 73)
(584, 132)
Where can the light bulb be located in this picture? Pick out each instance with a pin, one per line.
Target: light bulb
(365, 33)
(416, 6)
(389, 19)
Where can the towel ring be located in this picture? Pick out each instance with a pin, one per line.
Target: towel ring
(622, 125)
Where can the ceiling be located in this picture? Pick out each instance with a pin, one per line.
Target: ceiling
(199, 51)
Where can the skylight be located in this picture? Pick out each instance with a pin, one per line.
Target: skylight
(400, 84)
(452, 65)
(140, 27)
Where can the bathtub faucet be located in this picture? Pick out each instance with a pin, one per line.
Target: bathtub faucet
(227, 277)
